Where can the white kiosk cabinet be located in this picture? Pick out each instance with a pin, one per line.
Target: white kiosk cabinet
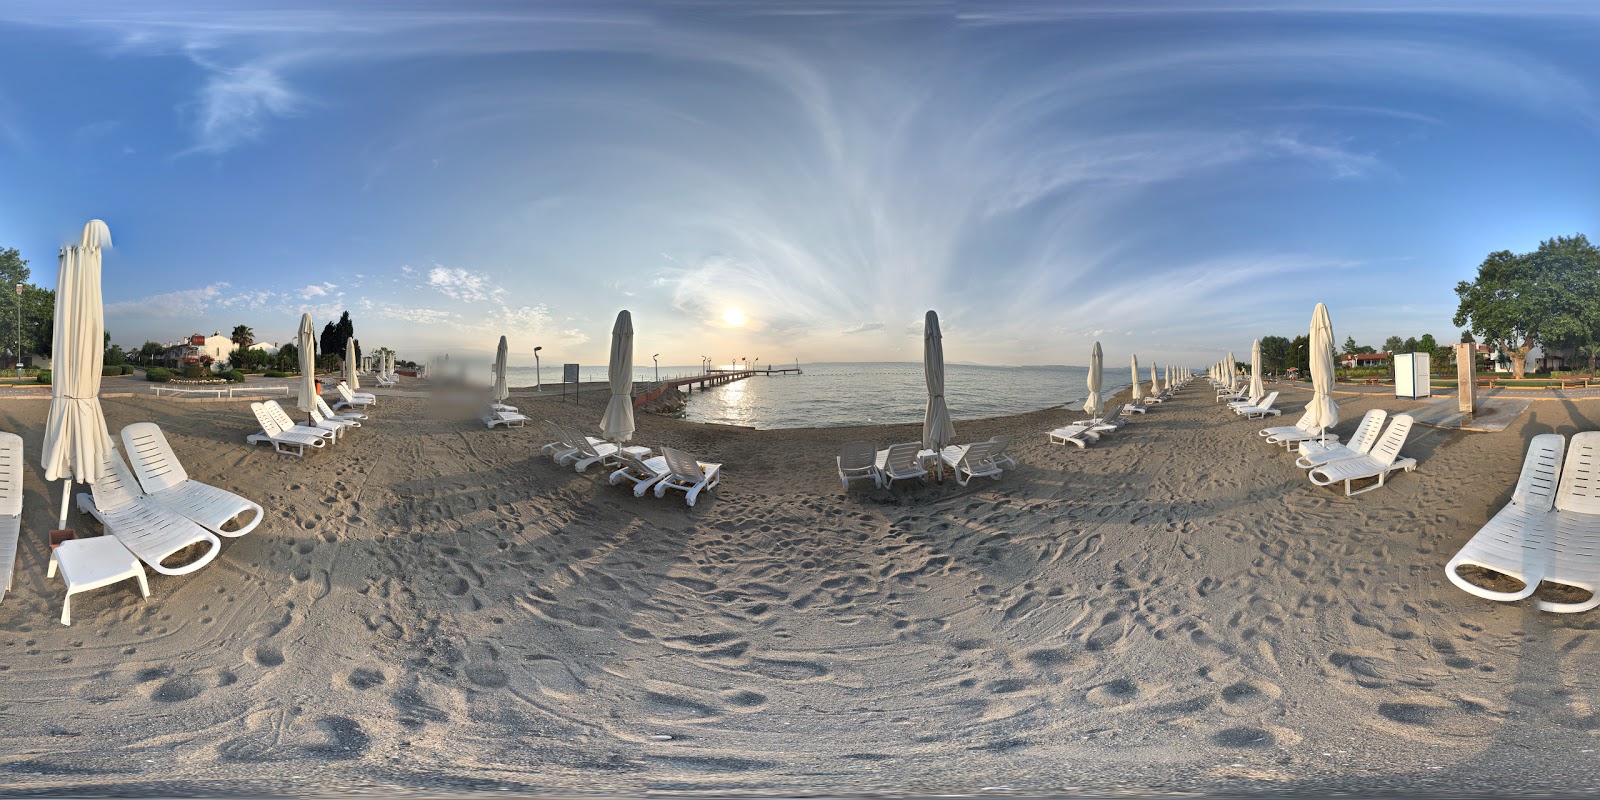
(1411, 375)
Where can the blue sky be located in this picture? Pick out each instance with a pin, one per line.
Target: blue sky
(1171, 178)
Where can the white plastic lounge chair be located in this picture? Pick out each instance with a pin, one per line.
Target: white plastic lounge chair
(1079, 435)
(1110, 422)
(285, 422)
(1260, 409)
(999, 455)
(10, 506)
(149, 530)
(337, 427)
(1316, 452)
(971, 461)
(349, 399)
(1224, 393)
(858, 461)
(1384, 459)
(587, 452)
(642, 473)
(1574, 540)
(688, 475)
(558, 441)
(163, 477)
(287, 441)
(1515, 541)
(329, 413)
(900, 462)
(1134, 408)
(92, 563)
(504, 407)
(1247, 401)
(509, 419)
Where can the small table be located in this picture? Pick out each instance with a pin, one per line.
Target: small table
(92, 563)
(638, 452)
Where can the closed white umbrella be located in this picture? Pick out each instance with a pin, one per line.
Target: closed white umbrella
(307, 342)
(617, 425)
(1324, 411)
(350, 364)
(1256, 389)
(500, 392)
(1155, 388)
(1093, 405)
(1233, 373)
(75, 438)
(1138, 389)
(937, 429)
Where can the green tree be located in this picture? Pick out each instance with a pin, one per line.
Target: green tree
(1273, 351)
(1411, 345)
(1393, 344)
(1350, 347)
(1299, 355)
(114, 357)
(1520, 301)
(289, 357)
(1466, 338)
(243, 337)
(1426, 344)
(150, 352)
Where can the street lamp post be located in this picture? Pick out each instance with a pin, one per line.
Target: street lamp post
(658, 367)
(754, 365)
(537, 388)
(19, 331)
(704, 365)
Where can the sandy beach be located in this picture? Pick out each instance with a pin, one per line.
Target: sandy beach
(433, 607)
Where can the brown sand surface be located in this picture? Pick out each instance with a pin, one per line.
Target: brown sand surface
(432, 606)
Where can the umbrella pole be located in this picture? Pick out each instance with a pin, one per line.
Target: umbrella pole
(66, 492)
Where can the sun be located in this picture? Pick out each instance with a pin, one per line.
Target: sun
(734, 317)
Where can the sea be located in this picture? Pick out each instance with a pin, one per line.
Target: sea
(831, 395)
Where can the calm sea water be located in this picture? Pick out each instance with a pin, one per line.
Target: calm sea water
(834, 395)
(843, 394)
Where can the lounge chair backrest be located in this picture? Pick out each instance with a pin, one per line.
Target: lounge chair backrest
(116, 487)
(1115, 412)
(1000, 445)
(1367, 432)
(1266, 402)
(1388, 447)
(633, 462)
(279, 415)
(576, 438)
(1579, 490)
(10, 476)
(978, 453)
(903, 457)
(557, 434)
(269, 424)
(857, 455)
(683, 466)
(324, 409)
(154, 462)
(1541, 472)
(344, 392)
(1308, 421)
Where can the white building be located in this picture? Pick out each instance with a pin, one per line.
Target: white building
(270, 348)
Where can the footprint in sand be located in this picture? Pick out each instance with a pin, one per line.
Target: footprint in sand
(1113, 693)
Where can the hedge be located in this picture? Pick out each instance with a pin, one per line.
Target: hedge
(44, 376)
(158, 375)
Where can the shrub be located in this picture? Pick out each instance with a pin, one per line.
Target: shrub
(158, 375)
(272, 373)
(233, 376)
(196, 371)
(127, 370)
(109, 371)
(44, 377)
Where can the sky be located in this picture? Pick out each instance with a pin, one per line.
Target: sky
(797, 180)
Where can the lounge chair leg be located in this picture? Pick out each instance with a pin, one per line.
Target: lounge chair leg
(144, 583)
(66, 610)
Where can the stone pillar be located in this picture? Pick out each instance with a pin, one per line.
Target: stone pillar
(1466, 377)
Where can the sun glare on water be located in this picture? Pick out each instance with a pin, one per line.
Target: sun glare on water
(734, 317)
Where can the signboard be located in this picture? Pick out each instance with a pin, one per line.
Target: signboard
(569, 374)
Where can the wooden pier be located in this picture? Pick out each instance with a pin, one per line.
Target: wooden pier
(710, 378)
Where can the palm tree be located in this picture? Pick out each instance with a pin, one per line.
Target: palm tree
(243, 337)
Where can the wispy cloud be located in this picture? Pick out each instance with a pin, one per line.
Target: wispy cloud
(865, 327)
(185, 303)
(462, 284)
